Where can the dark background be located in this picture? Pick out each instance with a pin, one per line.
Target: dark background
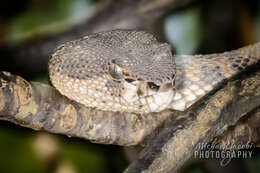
(31, 29)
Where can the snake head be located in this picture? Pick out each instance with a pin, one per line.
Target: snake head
(120, 70)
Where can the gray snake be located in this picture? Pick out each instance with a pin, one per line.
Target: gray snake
(130, 71)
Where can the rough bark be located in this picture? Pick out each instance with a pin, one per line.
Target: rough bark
(172, 136)
(174, 145)
(41, 107)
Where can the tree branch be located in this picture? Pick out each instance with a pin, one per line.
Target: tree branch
(41, 107)
(246, 130)
(203, 122)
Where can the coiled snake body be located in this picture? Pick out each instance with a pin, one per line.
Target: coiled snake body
(130, 71)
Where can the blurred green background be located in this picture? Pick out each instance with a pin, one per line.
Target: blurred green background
(28, 31)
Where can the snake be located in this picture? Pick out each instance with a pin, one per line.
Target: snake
(131, 71)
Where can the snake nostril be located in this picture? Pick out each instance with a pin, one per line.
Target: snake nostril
(140, 79)
(153, 86)
(129, 80)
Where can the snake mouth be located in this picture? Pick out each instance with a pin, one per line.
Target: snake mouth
(140, 92)
(147, 94)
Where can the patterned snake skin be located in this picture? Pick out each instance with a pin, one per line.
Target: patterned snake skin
(130, 71)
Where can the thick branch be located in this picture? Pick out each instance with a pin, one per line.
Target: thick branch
(246, 130)
(176, 144)
(39, 106)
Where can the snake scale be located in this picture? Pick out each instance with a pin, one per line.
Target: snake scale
(130, 71)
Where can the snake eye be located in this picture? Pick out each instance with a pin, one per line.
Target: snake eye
(115, 71)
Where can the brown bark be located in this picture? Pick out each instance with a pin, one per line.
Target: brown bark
(174, 145)
(41, 107)
(172, 136)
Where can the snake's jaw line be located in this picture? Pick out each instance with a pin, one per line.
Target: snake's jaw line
(180, 106)
(130, 92)
(130, 71)
(150, 99)
(163, 99)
